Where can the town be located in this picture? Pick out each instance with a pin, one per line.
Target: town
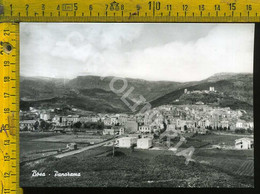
(141, 128)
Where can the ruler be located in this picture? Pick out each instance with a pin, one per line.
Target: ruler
(130, 10)
(14, 11)
(9, 108)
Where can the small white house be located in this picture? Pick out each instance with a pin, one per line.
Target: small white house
(110, 131)
(144, 143)
(121, 131)
(145, 129)
(126, 142)
(240, 124)
(212, 89)
(72, 146)
(244, 143)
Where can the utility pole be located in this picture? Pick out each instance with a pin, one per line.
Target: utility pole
(113, 145)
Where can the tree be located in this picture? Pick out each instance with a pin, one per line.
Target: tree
(44, 126)
(77, 125)
(36, 125)
(100, 125)
(25, 128)
(132, 147)
(242, 130)
(249, 131)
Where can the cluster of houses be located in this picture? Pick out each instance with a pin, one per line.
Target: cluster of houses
(185, 118)
(211, 90)
(181, 118)
(194, 117)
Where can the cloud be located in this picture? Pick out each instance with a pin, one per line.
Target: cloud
(177, 52)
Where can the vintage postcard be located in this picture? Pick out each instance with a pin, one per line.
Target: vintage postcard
(136, 105)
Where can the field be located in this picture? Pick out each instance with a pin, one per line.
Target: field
(227, 139)
(42, 144)
(27, 143)
(68, 138)
(141, 168)
(145, 168)
(29, 147)
(237, 162)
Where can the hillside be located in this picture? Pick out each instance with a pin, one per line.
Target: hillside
(41, 88)
(93, 94)
(95, 100)
(149, 89)
(234, 91)
(89, 92)
(238, 86)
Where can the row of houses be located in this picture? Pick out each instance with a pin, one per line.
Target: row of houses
(147, 142)
(177, 123)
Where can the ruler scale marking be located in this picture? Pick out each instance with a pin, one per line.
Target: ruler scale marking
(92, 11)
(10, 107)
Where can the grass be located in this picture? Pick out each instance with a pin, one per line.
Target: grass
(216, 139)
(231, 161)
(27, 136)
(27, 145)
(141, 168)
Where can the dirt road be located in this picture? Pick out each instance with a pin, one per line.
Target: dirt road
(83, 149)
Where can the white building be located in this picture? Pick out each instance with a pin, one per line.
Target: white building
(145, 129)
(144, 143)
(251, 125)
(71, 119)
(244, 143)
(107, 122)
(45, 116)
(95, 119)
(27, 125)
(212, 89)
(121, 130)
(114, 120)
(240, 124)
(126, 142)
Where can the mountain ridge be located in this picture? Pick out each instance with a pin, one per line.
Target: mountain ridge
(239, 86)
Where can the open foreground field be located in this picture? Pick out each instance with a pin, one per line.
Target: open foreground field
(141, 168)
(31, 143)
(239, 162)
(28, 145)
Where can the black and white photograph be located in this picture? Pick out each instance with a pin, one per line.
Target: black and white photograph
(136, 105)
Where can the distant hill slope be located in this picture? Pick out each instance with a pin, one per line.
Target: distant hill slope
(149, 89)
(238, 86)
(96, 100)
(41, 88)
(92, 93)
(237, 92)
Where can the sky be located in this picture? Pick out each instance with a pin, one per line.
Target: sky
(169, 51)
